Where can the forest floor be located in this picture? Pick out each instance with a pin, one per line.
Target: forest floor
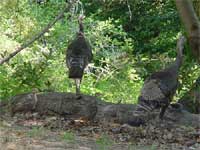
(33, 132)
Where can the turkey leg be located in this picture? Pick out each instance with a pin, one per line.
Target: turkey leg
(78, 83)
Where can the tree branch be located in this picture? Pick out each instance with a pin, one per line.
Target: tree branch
(36, 37)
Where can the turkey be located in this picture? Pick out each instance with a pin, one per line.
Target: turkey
(78, 55)
(159, 89)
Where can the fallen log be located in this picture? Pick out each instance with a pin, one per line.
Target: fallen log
(75, 106)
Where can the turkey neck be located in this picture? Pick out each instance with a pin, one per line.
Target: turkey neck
(179, 57)
(174, 68)
(81, 28)
(179, 60)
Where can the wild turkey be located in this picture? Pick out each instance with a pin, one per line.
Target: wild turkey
(159, 89)
(79, 54)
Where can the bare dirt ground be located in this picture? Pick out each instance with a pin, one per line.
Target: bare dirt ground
(60, 121)
(32, 132)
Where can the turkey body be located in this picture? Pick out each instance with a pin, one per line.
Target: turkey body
(160, 87)
(158, 90)
(79, 54)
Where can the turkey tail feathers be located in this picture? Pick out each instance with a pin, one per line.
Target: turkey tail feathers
(76, 67)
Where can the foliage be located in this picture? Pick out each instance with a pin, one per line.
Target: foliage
(130, 40)
(69, 137)
(36, 132)
(104, 142)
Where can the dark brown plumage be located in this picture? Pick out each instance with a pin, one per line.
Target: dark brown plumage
(79, 54)
(159, 89)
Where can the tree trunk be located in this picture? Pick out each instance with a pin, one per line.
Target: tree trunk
(191, 23)
(83, 106)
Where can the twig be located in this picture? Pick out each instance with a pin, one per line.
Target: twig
(36, 37)
(129, 10)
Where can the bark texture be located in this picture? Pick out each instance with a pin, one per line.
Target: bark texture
(191, 23)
